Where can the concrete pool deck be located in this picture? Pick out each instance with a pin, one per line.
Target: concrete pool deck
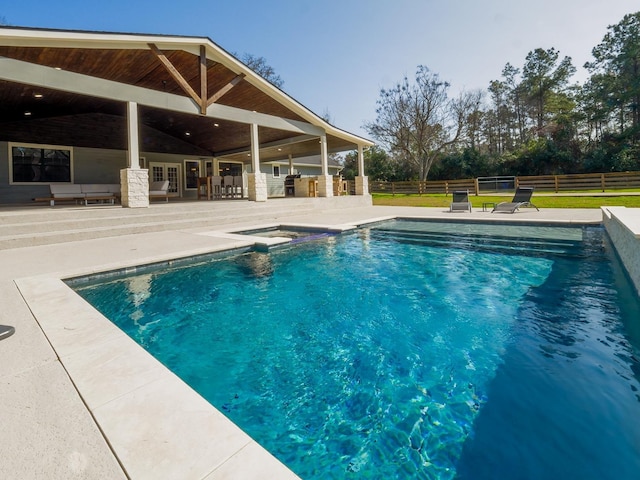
(79, 399)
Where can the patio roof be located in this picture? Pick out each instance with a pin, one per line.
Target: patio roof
(71, 87)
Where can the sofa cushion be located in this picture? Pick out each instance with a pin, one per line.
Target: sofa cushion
(113, 188)
(94, 188)
(159, 188)
(66, 190)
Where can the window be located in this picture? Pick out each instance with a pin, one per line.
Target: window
(191, 174)
(229, 168)
(40, 164)
(208, 167)
(276, 171)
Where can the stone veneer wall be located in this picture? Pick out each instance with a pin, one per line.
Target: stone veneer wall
(305, 187)
(362, 185)
(257, 186)
(134, 184)
(623, 226)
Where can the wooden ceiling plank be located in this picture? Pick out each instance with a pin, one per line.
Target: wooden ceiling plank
(177, 76)
(224, 90)
(274, 144)
(46, 77)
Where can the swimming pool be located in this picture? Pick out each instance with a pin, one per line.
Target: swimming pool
(408, 350)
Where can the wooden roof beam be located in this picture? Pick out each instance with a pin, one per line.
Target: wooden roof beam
(203, 80)
(224, 90)
(177, 76)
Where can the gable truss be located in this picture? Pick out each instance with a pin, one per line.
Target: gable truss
(201, 99)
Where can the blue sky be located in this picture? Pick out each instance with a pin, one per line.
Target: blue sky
(335, 55)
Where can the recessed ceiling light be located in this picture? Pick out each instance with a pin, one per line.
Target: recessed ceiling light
(216, 124)
(37, 95)
(188, 134)
(27, 114)
(279, 149)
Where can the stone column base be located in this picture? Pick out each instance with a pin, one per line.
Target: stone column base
(257, 186)
(362, 185)
(325, 185)
(134, 187)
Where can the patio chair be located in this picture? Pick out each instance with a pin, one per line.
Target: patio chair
(460, 201)
(204, 188)
(237, 186)
(159, 189)
(227, 184)
(522, 198)
(216, 187)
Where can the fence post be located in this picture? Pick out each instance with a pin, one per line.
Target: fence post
(602, 181)
(555, 181)
(476, 185)
(393, 189)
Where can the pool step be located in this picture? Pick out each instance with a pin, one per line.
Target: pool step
(487, 243)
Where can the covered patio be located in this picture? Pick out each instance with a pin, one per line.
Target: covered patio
(93, 107)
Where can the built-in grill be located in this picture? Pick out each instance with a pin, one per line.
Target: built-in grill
(289, 185)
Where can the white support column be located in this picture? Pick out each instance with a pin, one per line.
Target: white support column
(324, 156)
(257, 181)
(325, 181)
(134, 181)
(362, 181)
(255, 149)
(290, 164)
(133, 131)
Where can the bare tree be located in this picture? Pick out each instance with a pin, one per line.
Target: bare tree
(262, 68)
(418, 121)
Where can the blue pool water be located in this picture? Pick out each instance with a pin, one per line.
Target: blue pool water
(407, 351)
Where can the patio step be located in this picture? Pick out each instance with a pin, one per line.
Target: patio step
(113, 216)
(31, 227)
(24, 226)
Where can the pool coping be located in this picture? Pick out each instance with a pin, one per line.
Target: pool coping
(118, 379)
(623, 227)
(170, 431)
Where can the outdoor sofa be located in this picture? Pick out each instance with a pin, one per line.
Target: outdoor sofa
(82, 192)
(96, 192)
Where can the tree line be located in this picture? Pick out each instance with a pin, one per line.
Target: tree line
(530, 121)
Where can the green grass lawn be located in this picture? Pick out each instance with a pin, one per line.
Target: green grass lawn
(541, 201)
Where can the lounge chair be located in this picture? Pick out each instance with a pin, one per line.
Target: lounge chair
(460, 201)
(522, 198)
